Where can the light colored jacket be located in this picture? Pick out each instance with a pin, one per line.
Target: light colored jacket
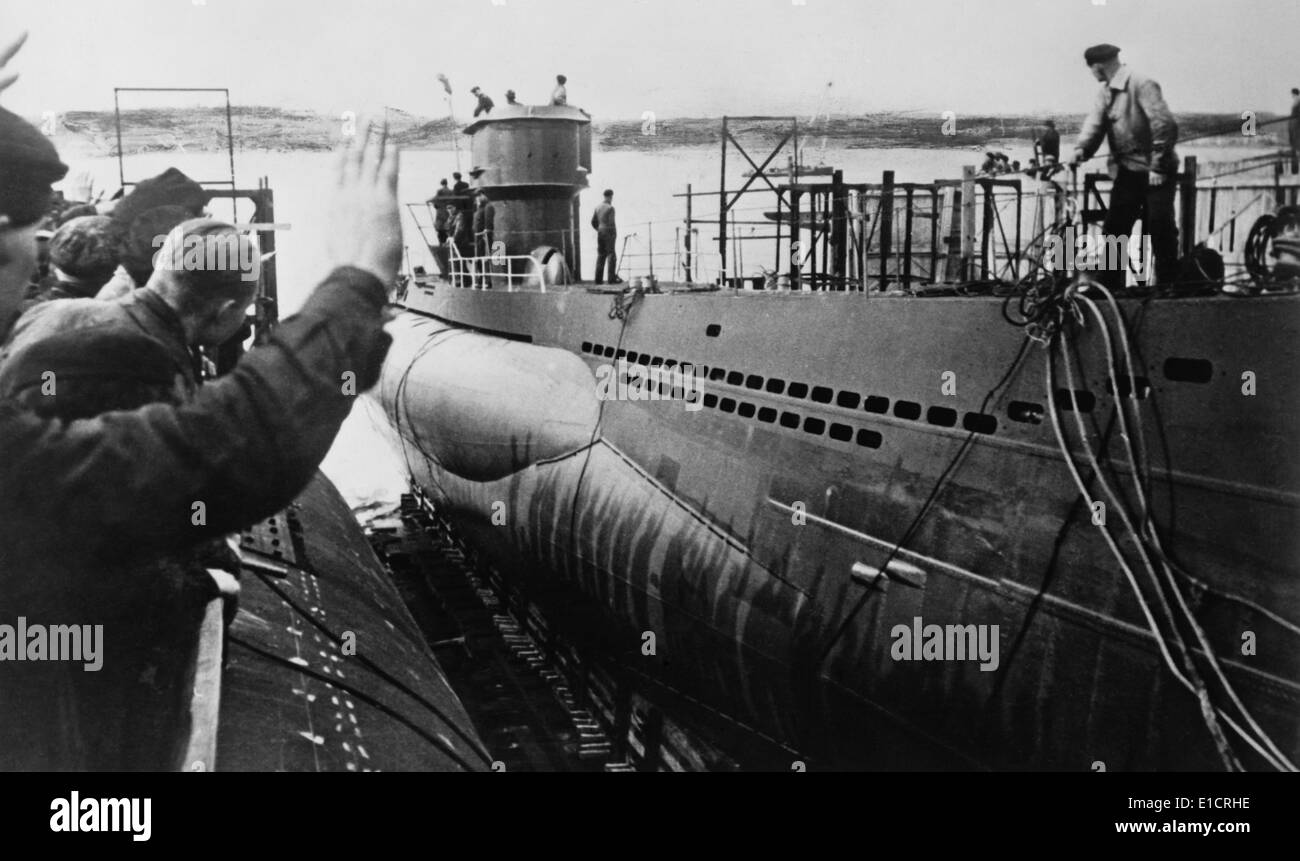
(1130, 112)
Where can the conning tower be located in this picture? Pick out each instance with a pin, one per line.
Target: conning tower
(532, 161)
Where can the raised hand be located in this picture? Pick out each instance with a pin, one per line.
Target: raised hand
(366, 228)
(6, 54)
(81, 188)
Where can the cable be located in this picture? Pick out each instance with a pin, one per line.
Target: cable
(1198, 689)
(1196, 684)
(1255, 252)
(1227, 757)
(623, 316)
(1058, 544)
(1188, 617)
(359, 694)
(1149, 523)
(1113, 497)
(925, 506)
(1210, 713)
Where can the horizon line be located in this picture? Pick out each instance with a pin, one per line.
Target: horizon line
(1026, 114)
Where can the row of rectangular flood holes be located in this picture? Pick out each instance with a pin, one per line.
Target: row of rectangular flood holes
(1181, 370)
(811, 424)
(908, 410)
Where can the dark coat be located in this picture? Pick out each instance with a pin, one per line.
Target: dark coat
(122, 487)
(462, 233)
(1050, 144)
(440, 199)
(142, 312)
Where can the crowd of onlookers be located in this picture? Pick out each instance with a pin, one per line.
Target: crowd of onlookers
(126, 461)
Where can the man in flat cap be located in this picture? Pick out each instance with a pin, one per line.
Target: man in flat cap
(83, 257)
(153, 208)
(207, 275)
(28, 166)
(1131, 114)
(169, 188)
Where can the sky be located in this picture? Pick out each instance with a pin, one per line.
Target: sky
(670, 57)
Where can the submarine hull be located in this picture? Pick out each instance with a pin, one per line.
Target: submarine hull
(749, 536)
(295, 699)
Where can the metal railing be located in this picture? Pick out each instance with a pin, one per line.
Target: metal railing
(684, 263)
(497, 272)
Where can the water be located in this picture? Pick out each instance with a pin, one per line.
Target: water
(363, 467)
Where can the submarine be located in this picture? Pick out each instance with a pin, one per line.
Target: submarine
(875, 472)
(324, 668)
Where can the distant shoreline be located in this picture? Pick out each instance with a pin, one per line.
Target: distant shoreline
(92, 133)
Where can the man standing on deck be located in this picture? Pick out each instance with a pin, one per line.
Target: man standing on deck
(1131, 115)
(441, 223)
(1049, 145)
(462, 239)
(460, 191)
(125, 485)
(485, 103)
(606, 234)
(560, 95)
(483, 225)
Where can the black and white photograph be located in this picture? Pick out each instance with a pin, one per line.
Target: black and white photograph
(651, 386)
